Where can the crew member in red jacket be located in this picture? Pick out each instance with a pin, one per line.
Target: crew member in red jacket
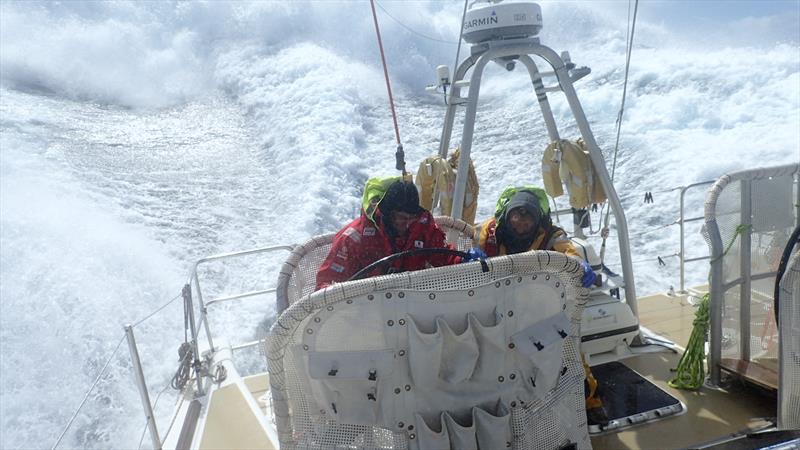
(397, 224)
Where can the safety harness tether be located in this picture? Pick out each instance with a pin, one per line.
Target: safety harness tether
(400, 160)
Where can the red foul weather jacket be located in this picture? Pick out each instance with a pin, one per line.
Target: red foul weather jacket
(361, 243)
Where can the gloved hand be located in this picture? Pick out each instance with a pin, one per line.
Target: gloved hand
(588, 275)
(474, 254)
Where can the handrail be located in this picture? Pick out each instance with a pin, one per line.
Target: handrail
(247, 344)
(699, 258)
(203, 322)
(241, 253)
(682, 221)
(240, 296)
(203, 307)
(189, 310)
(196, 281)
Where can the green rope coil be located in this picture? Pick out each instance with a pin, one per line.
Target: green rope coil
(690, 372)
(691, 368)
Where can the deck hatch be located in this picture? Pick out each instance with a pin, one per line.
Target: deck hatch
(630, 399)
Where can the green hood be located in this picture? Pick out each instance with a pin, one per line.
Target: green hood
(505, 197)
(374, 190)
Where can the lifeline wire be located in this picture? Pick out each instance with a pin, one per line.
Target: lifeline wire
(102, 372)
(619, 120)
(175, 415)
(156, 311)
(413, 30)
(460, 35)
(86, 397)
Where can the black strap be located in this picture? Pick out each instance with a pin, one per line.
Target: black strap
(549, 230)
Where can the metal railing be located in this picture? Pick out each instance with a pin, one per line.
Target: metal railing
(194, 328)
(682, 222)
(203, 306)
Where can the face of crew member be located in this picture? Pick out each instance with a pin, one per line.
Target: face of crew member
(521, 221)
(401, 221)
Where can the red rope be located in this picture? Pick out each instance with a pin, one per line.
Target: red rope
(385, 72)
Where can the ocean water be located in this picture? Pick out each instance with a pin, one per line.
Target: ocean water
(136, 138)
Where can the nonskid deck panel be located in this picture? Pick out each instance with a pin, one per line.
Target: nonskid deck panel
(710, 414)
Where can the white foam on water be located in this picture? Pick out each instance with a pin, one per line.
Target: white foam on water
(136, 138)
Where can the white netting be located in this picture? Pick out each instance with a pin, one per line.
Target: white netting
(445, 357)
(789, 382)
(745, 250)
(298, 275)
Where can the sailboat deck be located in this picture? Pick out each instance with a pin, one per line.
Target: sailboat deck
(710, 414)
(669, 316)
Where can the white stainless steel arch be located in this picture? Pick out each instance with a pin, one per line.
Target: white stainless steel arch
(522, 50)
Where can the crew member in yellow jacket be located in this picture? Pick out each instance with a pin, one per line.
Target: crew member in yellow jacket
(522, 223)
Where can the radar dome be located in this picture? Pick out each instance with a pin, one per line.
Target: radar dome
(498, 21)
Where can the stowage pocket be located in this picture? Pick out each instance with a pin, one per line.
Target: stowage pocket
(491, 349)
(428, 438)
(542, 343)
(460, 353)
(441, 355)
(462, 437)
(478, 429)
(424, 354)
(492, 429)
